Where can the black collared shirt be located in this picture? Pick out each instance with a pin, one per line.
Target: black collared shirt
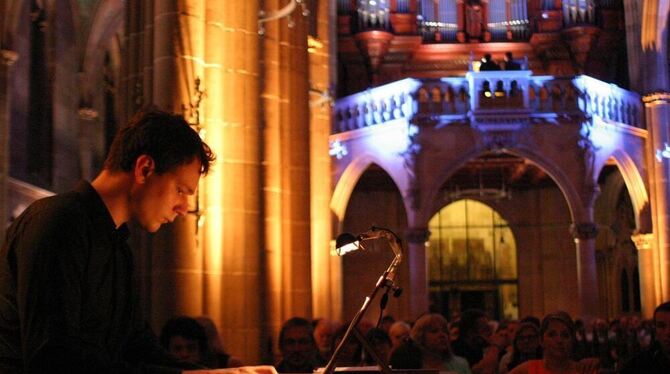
(66, 295)
(651, 361)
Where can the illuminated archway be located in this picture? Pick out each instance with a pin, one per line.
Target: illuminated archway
(472, 261)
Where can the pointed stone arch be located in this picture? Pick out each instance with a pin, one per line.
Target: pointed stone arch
(637, 189)
(348, 179)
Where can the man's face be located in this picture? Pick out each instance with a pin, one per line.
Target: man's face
(662, 324)
(323, 334)
(186, 350)
(160, 198)
(437, 337)
(297, 347)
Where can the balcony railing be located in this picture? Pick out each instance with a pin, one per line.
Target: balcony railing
(516, 95)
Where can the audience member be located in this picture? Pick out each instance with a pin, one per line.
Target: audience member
(350, 354)
(386, 323)
(297, 347)
(476, 342)
(185, 339)
(379, 341)
(398, 333)
(431, 333)
(408, 355)
(324, 329)
(557, 335)
(655, 360)
(216, 357)
(525, 346)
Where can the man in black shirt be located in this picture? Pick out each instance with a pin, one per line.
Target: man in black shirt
(655, 360)
(66, 298)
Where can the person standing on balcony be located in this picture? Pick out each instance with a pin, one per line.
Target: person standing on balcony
(510, 64)
(488, 64)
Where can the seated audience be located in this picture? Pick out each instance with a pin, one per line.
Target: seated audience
(379, 341)
(398, 332)
(408, 355)
(216, 357)
(431, 333)
(351, 352)
(297, 347)
(477, 343)
(656, 359)
(557, 336)
(525, 346)
(324, 329)
(185, 339)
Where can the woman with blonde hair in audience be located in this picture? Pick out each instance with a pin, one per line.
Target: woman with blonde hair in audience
(431, 333)
(557, 338)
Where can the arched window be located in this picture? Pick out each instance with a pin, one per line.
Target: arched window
(472, 261)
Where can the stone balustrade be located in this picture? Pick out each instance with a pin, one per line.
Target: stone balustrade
(515, 94)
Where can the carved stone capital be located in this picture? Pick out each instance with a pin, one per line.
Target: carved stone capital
(643, 241)
(8, 57)
(417, 235)
(655, 97)
(584, 231)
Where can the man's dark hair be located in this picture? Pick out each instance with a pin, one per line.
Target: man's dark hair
(187, 328)
(664, 307)
(165, 137)
(296, 322)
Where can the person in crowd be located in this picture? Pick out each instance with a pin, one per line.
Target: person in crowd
(487, 63)
(510, 64)
(379, 341)
(297, 347)
(68, 301)
(557, 336)
(324, 329)
(525, 346)
(408, 355)
(477, 343)
(351, 352)
(386, 323)
(655, 360)
(431, 333)
(185, 339)
(398, 333)
(216, 357)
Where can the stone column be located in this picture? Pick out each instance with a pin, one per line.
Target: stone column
(326, 269)
(584, 235)
(178, 28)
(7, 58)
(646, 268)
(286, 177)
(657, 112)
(415, 255)
(234, 292)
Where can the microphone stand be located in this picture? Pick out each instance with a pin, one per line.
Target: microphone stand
(385, 281)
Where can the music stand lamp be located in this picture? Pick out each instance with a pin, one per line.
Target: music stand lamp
(346, 243)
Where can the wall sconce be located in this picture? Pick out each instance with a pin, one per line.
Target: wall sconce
(286, 11)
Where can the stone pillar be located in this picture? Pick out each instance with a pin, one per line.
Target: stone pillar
(657, 113)
(286, 174)
(584, 235)
(415, 255)
(7, 58)
(231, 194)
(646, 268)
(177, 263)
(326, 269)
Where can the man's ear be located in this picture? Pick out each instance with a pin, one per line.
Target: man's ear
(144, 167)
